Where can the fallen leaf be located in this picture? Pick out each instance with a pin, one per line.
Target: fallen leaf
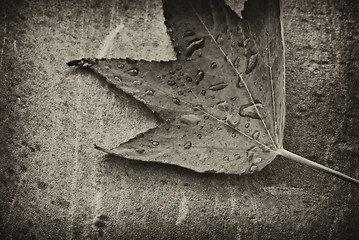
(222, 101)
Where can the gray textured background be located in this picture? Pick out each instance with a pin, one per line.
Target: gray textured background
(54, 185)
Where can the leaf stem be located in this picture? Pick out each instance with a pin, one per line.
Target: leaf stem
(300, 159)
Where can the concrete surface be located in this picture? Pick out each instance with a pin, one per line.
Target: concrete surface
(54, 185)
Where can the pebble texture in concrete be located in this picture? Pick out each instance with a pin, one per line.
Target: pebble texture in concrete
(54, 185)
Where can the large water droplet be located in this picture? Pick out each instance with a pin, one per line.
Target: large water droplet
(247, 125)
(213, 65)
(217, 86)
(188, 33)
(256, 134)
(187, 145)
(199, 76)
(188, 79)
(155, 143)
(176, 101)
(249, 110)
(251, 63)
(194, 45)
(133, 71)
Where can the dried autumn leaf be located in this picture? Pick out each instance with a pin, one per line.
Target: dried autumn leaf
(222, 101)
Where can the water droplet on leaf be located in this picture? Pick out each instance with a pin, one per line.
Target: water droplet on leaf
(176, 101)
(197, 108)
(256, 160)
(256, 134)
(236, 62)
(140, 150)
(194, 45)
(171, 82)
(240, 84)
(219, 39)
(178, 67)
(253, 168)
(188, 33)
(199, 76)
(150, 92)
(155, 143)
(213, 65)
(188, 145)
(133, 72)
(251, 63)
(249, 110)
(218, 86)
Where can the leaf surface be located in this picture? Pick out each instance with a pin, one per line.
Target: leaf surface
(222, 100)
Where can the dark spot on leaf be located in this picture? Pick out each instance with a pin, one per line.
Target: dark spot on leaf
(103, 217)
(100, 224)
(42, 185)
